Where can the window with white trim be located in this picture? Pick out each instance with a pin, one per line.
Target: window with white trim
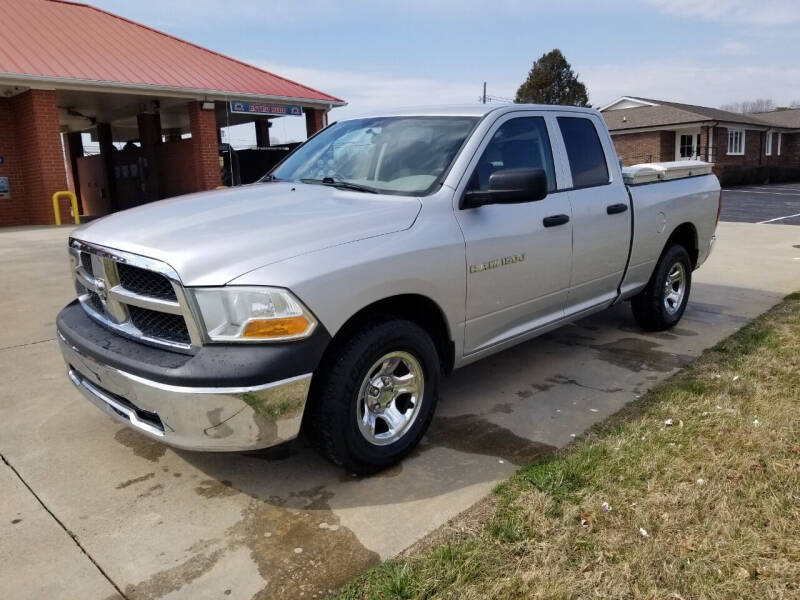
(780, 135)
(768, 144)
(735, 141)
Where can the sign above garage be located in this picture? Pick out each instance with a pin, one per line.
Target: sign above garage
(257, 108)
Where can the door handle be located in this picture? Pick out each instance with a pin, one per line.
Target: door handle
(614, 209)
(555, 220)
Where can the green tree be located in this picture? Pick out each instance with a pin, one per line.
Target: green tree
(552, 81)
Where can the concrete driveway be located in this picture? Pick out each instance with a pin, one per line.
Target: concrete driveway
(90, 509)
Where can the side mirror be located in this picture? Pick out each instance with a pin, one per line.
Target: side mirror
(509, 186)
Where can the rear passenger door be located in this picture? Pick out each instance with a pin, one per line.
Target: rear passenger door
(601, 213)
(518, 261)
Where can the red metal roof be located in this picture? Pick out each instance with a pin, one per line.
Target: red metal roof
(69, 41)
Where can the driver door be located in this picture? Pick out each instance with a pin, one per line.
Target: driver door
(518, 257)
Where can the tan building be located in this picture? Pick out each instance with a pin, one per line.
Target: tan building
(743, 148)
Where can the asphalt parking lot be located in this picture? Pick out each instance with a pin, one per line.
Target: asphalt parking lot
(90, 509)
(777, 203)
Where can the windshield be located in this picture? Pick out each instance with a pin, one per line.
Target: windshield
(388, 155)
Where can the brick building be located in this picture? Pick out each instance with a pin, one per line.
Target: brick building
(743, 148)
(153, 103)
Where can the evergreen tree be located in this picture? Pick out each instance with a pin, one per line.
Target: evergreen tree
(552, 81)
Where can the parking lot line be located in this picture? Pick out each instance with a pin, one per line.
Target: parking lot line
(778, 219)
(726, 190)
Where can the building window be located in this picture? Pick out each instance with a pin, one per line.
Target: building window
(780, 135)
(768, 144)
(686, 148)
(736, 141)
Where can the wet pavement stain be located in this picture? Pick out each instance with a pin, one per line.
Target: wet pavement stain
(502, 408)
(153, 490)
(523, 394)
(386, 473)
(300, 553)
(315, 498)
(174, 578)
(541, 387)
(635, 354)
(211, 488)
(670, 334)
(564, 380)
(130, 482)
(711, 314)
(562, 336)
(680, 331)
(142, 446)
(476, 435)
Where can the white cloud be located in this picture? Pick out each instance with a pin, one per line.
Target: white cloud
(734, 48)
(692, 83)
(677, 80)
(763, 12)
(367, 90)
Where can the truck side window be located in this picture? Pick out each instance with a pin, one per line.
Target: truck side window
(518, 143)
(587, 161)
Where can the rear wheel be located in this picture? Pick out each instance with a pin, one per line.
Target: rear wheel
(377, 395)
(660, 305)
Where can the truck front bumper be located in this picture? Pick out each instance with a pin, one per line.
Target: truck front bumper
(205, 416)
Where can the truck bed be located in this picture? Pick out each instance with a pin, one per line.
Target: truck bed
(663, 197)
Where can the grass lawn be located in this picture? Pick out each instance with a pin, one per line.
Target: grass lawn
(693, 491)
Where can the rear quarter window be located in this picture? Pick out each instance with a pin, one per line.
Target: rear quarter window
(587, 161)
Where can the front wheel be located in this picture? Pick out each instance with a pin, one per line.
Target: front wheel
(660, 305)
(377, 395)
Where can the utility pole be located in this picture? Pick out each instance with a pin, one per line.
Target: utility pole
(484, 92)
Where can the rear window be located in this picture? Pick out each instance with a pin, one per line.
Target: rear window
(587, 161)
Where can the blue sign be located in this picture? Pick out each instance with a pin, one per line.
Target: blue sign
(2, 160)
(256, 108)
(5, 191)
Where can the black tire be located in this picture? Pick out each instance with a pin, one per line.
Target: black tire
(649, 306)
(333, 425)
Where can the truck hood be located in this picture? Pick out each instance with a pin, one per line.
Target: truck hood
(210, 238)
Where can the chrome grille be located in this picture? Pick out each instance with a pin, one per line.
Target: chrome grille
(135, 296)
(146, 283)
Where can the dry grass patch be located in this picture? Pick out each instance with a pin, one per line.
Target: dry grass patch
(691, 492)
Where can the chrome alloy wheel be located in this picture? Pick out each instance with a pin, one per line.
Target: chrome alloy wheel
(390, 397)
(675, 288)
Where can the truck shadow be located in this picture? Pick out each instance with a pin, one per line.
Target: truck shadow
(310, 527)
(503, 411)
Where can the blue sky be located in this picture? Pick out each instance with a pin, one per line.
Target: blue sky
(380, 54)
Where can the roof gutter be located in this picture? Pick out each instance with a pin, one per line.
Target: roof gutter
(644, 128)
(116, 87)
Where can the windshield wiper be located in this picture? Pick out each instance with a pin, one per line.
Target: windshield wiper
(342, 184)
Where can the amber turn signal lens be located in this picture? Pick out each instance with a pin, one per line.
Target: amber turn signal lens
(276, 328)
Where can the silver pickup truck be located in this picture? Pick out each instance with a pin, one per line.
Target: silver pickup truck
(378, 256)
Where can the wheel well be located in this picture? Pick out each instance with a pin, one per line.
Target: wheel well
(414, 307)
(685, 235)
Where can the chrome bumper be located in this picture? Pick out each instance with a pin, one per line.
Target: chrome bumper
(201, 418)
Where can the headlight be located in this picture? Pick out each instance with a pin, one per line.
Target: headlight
(251, 314)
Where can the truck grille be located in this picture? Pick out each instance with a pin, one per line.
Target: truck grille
(138, 297)
(146, 283)
(160, 325)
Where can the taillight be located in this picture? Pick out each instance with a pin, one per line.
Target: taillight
(719, 206)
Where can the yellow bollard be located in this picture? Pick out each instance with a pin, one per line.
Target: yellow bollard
(73, 199)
